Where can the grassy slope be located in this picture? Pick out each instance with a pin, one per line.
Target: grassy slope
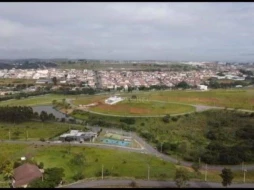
(135, 166)
(36, 130)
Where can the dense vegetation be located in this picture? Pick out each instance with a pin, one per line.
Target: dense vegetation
(216, 136)
(16, 114)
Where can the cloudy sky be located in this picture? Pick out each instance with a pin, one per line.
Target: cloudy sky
(162, 31)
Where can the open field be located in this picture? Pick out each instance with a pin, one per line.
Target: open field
(134, 107)
(119, 163)
(6, 81)
(34, 130)
(32, 101)
(241, 99)
(142, 108)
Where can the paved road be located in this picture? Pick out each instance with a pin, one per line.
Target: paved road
(150, 183)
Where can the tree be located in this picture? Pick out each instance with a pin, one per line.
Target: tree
(54, 102)
(183, 85)
(54, 80)
(8, 170)
(43, 116)
(166, 118)
(227, 177)
(181, 177)
(41, 165)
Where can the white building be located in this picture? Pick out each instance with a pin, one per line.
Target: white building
(202, 87)
(113, 100)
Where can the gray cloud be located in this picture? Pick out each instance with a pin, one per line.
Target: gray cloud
(173, 31)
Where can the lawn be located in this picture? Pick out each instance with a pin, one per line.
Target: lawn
(231, 98)
(142, 108)
(34, 130)
(243, 99)
(134, 107)
(32, 101)
(121, 164)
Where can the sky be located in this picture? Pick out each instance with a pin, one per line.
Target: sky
(128, 31)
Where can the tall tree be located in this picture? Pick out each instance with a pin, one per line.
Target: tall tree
(43, 116)
(54, 80)
(227, 177)
(181, 177)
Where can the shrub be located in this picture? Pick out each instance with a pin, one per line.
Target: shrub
(41, 165)
(78, 176)
(133, 184)
(42, 139)
(174, 118)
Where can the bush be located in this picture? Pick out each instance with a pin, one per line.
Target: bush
(133, 184)
(42, 139)
(78, 176)
(41, 165)
(166, 118)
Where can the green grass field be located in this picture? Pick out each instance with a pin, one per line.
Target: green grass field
(34, 130)
(32, 101)
(142, 108)
(119, 163)
(241, 99)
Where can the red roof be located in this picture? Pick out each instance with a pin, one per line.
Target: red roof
(25, 174)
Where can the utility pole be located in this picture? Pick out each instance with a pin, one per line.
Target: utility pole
(242, 166)
(102, 171)
(148, 172)
(244, 171)
(205, 172)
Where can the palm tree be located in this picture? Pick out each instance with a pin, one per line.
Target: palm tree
(8, 170)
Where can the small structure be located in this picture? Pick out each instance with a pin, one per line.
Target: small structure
(25, 174)
(113, 100)
(202, 87)
(76, 135)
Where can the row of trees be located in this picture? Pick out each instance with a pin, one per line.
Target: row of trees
(16, 114)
